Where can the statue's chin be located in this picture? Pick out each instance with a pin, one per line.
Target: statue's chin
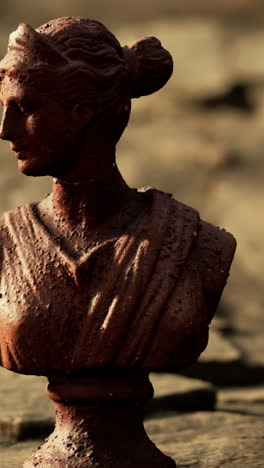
(30, 166)
(28, 170)
(44, 164)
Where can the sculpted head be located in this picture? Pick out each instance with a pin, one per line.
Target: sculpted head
(69, 83)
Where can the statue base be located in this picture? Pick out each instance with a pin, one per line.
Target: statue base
(99, 423)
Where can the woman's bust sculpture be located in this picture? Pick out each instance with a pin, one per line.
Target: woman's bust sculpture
(97, 275)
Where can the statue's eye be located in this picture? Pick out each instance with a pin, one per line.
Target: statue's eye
(26, 107)
(25, 110)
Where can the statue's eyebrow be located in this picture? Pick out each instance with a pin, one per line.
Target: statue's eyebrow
(13, 102)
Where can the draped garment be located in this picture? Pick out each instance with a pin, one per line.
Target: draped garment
(142, 299)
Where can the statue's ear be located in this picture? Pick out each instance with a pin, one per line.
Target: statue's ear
(84, 113)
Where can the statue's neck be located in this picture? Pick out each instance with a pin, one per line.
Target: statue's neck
(89, 201)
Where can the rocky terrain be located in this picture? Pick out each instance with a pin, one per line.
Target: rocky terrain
(201, 138)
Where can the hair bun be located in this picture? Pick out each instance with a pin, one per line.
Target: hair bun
(149, 65)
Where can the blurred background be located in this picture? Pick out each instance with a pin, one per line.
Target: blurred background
(200, 138)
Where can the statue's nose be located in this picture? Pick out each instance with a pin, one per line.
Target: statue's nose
(5, 134)
(8, 125)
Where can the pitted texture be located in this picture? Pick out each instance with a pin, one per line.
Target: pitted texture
(141, 298)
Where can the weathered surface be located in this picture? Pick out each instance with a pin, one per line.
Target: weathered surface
(25, 409)
(243, 400)
(194, 440)
(171, 275)
(133, 274)
(211, 154)
(211, 439)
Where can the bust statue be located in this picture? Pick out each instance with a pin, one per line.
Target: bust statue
(99, 283)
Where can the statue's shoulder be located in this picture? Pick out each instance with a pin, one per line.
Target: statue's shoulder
(175, 209)
(218, 246)
(208, 249)
(14, 220)
(214, 247)
(214, 252)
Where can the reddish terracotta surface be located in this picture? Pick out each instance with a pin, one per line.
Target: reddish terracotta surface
(97, 276)
(85, 435)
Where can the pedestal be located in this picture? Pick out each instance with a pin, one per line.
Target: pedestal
(99, 423)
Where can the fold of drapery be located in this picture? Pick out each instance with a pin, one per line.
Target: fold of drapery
(136, 300)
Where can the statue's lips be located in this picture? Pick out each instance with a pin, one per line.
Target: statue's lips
(21, 157)
(21, 153)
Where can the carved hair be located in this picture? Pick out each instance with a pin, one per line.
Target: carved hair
(84, 63)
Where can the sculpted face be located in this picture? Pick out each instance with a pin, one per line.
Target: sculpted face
(44, 134)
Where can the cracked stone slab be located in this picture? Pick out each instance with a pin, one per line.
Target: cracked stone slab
(220, 363)
(211, 439)
(25, 410)
(243, 400)
(197, 440)
(178, 393)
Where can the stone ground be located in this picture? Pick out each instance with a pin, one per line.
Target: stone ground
(202, 139)
(194, 422)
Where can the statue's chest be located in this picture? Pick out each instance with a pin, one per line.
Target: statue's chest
(31, 283)
(43, 281)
